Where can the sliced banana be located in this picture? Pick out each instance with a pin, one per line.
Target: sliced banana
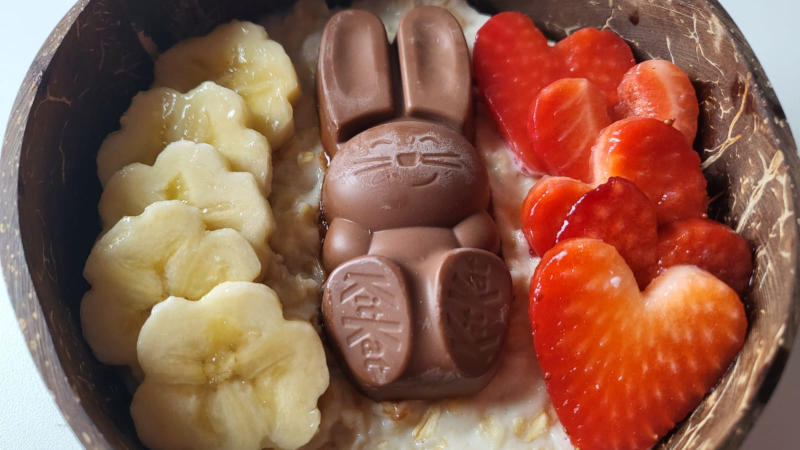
(209, 113)
(195, 174)
(228, 372)
(239, 56)
(140, 261)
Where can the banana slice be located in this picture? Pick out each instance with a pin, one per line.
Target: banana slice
(228, 372)
(197, 175)
(167, 250)
(239, 56)
(209, 113)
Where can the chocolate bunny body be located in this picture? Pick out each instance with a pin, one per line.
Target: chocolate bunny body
(417, 300)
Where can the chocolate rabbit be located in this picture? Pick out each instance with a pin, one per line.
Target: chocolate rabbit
(417, 300)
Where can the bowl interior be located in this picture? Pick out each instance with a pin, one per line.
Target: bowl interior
(96, 60)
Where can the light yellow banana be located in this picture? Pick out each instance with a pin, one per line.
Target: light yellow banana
(239, 56)
(209, 113)
(228, 372)
(140, 261)
(197, 175)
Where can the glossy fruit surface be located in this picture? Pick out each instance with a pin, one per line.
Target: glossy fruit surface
(709, 245)
(620, 214)
(513, 62)
(567, 117)
(661, 90)
(622, 367)
(545, 208)
(659, 160)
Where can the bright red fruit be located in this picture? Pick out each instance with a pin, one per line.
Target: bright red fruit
(567, 116)
(545, 208)
(622, 367)
(599, 55)
(513, 62)
(708, 245)
(618, 213)
(659, 160)
(661, 90)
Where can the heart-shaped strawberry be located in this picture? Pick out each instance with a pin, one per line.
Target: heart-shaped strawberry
(661, 90)
(620, 214)
(616, 212)
(622, 367)
(513, 62)
(659, 160)
(708, 245)
(545, 208)
(600, 56)
(568, 115)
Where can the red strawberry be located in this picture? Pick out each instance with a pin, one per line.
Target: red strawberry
(659, 160)
(708, 245)
(513, 62)
(622, 367)
(599, 55)
(618, 213)
(567, 116)
(545, 208)
(661, 90)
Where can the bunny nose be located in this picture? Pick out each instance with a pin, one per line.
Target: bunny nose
(409, 159)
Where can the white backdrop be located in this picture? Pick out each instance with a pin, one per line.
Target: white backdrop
(29, 419)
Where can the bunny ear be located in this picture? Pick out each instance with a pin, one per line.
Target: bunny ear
(354, 78)
(435, 67)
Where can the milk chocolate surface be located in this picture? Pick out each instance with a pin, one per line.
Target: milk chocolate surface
(358, 83)
(417, 300)
(357, 77)
(403, 174)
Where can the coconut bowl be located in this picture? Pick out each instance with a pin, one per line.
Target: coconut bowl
(99, 56)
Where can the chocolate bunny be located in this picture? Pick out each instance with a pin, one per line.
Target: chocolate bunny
(417, 301)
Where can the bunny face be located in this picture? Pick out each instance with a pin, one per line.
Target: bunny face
(406, 173)
(412, 166)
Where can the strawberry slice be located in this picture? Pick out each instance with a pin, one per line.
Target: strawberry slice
(512, 63)
(659, 160)
(708, 245)
(661, 90)
(545, 208)
(568, 115)
(599, 55)
(622, 367)
(618, 213)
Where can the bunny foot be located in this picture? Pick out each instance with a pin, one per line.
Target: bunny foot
(367, 312)
(473, 289)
